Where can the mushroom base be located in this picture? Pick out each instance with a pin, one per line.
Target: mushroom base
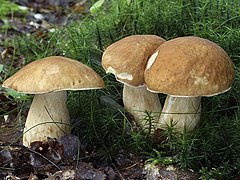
(181, 112)
(48, 116)
(138, 101)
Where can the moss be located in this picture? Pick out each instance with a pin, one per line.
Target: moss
(216, 143)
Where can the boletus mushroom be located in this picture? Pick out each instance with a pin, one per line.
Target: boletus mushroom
(187, 68)
(48, 79)
(127, 59)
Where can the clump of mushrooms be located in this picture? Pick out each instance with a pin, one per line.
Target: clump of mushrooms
(48, 79)
(187, 68)
(127, 59)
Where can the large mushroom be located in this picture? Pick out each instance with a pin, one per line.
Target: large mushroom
(48, 79)
(185, 69)
(127, 59)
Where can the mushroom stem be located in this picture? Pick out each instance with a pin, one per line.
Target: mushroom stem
(138, 101)
(181, 112)
(48, 116)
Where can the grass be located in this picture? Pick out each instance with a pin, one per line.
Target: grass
(8, 8)
(213, 149)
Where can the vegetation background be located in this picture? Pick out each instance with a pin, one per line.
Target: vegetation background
(213, 149)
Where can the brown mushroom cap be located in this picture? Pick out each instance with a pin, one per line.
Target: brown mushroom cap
(189, 66)
(54, 73)
(127, 58)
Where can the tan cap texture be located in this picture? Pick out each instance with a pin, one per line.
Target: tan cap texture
(127, 58)
(54, 73)
(189, 66)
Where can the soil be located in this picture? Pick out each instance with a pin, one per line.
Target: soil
(56, 159)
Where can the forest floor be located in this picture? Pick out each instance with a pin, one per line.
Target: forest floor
(52, 160)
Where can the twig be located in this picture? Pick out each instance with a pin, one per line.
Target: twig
(129, 167)
(2, 169)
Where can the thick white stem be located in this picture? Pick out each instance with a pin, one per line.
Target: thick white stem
(138, 100)
(48, 116)
(181, 112)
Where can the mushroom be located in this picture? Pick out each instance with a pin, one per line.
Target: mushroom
(187, 68)
(126, 59)
(48, 79)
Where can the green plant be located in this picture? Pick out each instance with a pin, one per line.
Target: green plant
(213, 149)
(8, 8)
(159, 157)
(213, 173)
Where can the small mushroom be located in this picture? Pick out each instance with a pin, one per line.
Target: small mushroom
(48, 79)
(187, 68)
(126, 59)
